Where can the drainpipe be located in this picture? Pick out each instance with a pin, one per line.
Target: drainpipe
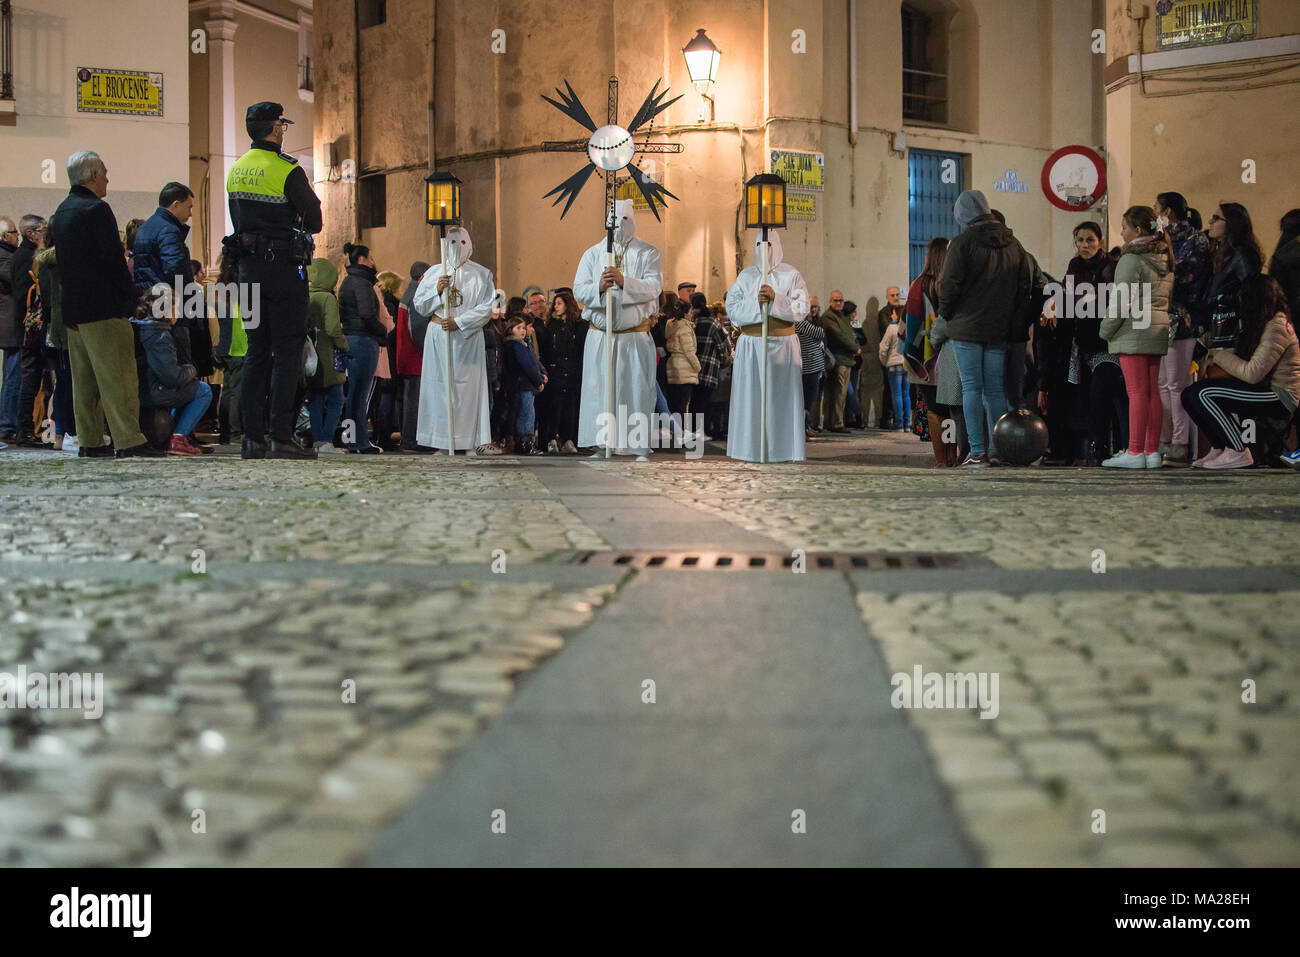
(853, 72)
(433, 88)
(356, 120)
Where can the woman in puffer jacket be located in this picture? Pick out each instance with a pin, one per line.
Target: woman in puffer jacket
(683, 365)
(1136, 328)
(1262, 389)
(166, 382)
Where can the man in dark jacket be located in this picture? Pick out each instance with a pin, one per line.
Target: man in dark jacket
(97, 298)
(162, 257)
(34, 365)
(11, 333)
(985, 281)
(843, 345)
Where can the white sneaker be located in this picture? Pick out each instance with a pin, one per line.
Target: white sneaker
(1126, 460)
(569, 448)
(488, 449)
(1154, 460)
(70, 444)
(643, 458)
(552, 447)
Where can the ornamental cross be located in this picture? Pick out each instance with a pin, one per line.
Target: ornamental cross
(611, 148)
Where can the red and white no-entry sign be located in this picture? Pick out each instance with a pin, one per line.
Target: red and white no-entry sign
(1074, 178)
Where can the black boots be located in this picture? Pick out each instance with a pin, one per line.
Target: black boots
(289, 450)
(252, 449)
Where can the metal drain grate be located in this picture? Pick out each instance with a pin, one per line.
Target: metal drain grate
(770, 561)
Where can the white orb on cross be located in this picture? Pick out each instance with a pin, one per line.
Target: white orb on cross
(611, 148)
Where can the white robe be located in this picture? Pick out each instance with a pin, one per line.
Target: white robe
(634, 352)
(785, 421)
(469, 366)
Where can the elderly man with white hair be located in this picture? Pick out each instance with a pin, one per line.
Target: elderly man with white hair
(98, 298)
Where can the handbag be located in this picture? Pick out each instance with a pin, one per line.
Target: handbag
(310, 361)
(32, 317)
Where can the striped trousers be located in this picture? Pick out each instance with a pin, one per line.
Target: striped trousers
(1233, 413)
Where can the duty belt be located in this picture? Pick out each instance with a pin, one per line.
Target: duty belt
(268, 249)
(775, 327)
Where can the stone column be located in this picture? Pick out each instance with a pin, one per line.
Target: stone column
(223, 142)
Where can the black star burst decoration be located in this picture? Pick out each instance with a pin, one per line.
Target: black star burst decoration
(611, 148)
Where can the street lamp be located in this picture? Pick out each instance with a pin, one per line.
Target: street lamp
(702, 57)
(442, 200)
(442, 209)
(764, 210)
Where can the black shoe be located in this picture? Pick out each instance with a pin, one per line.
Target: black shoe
(840, 431)
(223, 438)
(95, 452)
(369, 450)
(8, 436)
(252, 449)
(417, 449)
(289, 450)
(32, 441)
(142, 451)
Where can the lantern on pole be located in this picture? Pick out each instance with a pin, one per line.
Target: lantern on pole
(702, 57)
(764, 210)
(442, 209)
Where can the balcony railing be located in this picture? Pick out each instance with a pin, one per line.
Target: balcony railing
(6, 50)
(305, 74)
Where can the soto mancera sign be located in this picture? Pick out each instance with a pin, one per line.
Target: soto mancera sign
(1194, 23)
(124, 92)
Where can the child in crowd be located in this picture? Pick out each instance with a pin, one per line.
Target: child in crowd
(522, 378)
(325, 388)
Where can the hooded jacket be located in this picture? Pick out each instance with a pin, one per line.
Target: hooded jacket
(1124, 330)
(985, 282)
(323, 325)
(164, 381)
(359, 306)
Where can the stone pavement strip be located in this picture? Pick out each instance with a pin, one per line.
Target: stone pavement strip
(1120, 690)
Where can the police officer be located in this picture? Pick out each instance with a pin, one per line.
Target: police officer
(274, 210)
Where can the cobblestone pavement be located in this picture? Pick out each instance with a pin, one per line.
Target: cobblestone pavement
(226, 694)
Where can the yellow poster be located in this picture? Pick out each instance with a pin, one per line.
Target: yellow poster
(124, 92)
(800, 170)
(800, 206)
(628, 189)
(1194, 23)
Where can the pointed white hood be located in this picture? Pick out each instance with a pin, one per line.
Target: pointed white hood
(624, 221)
(774, 254)
(459, 247)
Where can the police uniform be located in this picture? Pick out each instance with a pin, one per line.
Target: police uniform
(272, 205)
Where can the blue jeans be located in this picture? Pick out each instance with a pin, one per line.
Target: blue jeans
(661, 406)
(981, 368)
(65, 423)
(13, 373)
(812, 381)
(898, 392)
(188, 417)
(525, 417)
(325, 407)
(362, 359)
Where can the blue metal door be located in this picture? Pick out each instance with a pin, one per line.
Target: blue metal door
(929, 200)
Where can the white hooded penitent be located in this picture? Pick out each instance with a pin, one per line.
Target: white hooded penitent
(455, 362)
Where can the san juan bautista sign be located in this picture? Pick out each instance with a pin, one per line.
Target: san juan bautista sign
(1194, 23)
(124, 92)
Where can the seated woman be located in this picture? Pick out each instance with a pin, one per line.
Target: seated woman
(164, 381)
(1262, 390)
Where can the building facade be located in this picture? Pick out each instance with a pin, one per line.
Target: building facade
(81, 80)
(251, 52)
(1200, 112)
(995, 86)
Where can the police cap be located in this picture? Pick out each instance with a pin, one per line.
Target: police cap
(263, 112)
